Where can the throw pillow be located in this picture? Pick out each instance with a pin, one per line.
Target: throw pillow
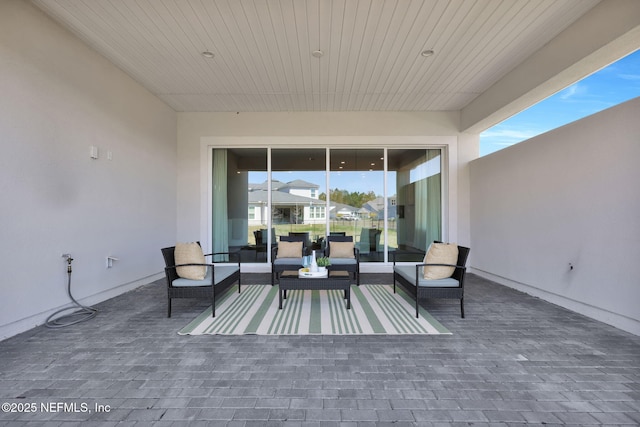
(289, 250)
(440, 253)
(190, 253)
(341, 250)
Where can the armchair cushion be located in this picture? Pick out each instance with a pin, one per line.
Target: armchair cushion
(440, 253)
(287, 261)
(408, 272)
(221, 272)
(190, 253)
(341, 250)
(342, 261)
(289, 249)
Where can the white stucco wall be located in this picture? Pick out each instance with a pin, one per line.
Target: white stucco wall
(569, 196)
(198, 131)
(59, 98)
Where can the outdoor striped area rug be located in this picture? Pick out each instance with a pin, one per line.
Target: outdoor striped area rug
(375, 309)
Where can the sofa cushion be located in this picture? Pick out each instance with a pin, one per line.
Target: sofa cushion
(341, 250)
(440, 253)
(289, 250)
(190, 253)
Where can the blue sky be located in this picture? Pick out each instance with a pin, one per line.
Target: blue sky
(610, 86)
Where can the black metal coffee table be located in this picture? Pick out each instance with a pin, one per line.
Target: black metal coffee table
(289, 280)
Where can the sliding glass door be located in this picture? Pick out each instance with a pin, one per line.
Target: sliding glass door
(416, 207)
(357, 199)
(385, 199)
(242, 212)
(298, 190)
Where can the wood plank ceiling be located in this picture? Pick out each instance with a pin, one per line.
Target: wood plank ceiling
(264, 49)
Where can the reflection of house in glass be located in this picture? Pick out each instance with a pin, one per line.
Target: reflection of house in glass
(374, 209)
(294, 202)
(298, 202)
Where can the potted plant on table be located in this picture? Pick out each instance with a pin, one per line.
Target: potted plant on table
(323, 263)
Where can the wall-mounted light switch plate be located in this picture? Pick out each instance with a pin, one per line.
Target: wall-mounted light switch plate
(93, 152)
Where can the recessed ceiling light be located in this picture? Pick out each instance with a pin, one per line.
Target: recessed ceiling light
(208, 54)
(317, 53)
(427, 53)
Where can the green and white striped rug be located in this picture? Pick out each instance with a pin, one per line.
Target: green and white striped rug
(375, 309)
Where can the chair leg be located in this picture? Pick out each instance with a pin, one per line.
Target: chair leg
(462, 307)
(169, 307)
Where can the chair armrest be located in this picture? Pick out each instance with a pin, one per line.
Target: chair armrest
(221, 253)
(190, 265)
(441, 265)
(231, 255)
(457, 267)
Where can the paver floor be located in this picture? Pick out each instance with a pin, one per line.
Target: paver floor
(514, 360)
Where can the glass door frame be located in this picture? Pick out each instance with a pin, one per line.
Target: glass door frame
(206, 148)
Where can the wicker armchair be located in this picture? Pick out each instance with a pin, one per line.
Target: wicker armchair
(220, 276)
(278, 265)
(351, 265)
(411, 279)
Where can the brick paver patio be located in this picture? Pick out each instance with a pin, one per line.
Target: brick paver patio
(514, 360)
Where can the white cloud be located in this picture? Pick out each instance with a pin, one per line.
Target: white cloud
(629, 76)
(573, 90)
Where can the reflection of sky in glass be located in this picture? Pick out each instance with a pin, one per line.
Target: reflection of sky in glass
(425, 170)
(358, 181)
